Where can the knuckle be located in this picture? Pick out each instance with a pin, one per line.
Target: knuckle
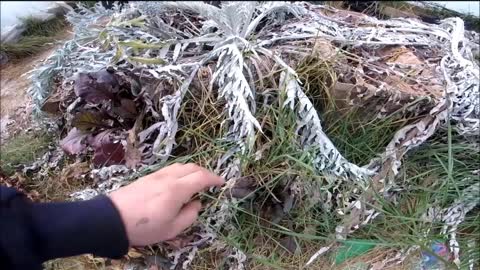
(191, 166)
(202, 175)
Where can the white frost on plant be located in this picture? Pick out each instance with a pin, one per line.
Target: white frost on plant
(235, 89)
(326, 158)
(455, 214)
(147, 41)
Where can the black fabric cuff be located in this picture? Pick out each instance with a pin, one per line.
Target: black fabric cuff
(74, 228)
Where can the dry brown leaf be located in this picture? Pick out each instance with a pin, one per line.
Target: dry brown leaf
(132, 253)
(52, 105)
(74, 171)
(402, 55)
(133, 156)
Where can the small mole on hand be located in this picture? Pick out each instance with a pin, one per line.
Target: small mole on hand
(142, 221)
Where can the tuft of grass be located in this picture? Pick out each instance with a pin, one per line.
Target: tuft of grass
(37, 28)
(22, 150)
(356, 131)
(432, 175)
(37, 36)
(27, 46)
(87, 4)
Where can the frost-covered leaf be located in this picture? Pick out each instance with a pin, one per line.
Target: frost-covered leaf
(75, 142)
(145, 134)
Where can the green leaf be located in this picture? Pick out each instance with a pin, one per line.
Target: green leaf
(103, 35)
(139, 22)
(148, 61)
(118, 55)
(141, 45)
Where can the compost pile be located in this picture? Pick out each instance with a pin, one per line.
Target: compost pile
(130, 81)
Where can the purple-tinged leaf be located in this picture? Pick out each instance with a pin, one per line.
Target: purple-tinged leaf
(108, 149)
(74, 142)
(109, 154)
(126, 110)
(95, 87)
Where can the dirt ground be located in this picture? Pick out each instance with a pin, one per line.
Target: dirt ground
(15, 103)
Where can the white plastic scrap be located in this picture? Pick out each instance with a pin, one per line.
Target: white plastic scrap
(320, 252)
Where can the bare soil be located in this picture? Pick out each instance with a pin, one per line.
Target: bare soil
(15, 103)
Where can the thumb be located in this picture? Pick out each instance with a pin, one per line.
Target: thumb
(187, 216)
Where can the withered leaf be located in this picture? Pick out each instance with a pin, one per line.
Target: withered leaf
(127, 109)
(180, 241)
(109, 154)
(74, 171)
(129, 106)
(133, 156)
(133, 253)
(74, 142)
(243, 187)
(100, 138)
(51, 105)
(88, 120)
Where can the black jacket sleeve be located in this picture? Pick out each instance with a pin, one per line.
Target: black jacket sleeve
(31, 233)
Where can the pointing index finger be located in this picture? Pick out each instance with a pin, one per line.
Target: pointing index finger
(198, 181)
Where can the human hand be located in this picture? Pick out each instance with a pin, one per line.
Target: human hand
(157, 207)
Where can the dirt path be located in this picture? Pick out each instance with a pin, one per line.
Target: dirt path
(15, 103)
(14, 83)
